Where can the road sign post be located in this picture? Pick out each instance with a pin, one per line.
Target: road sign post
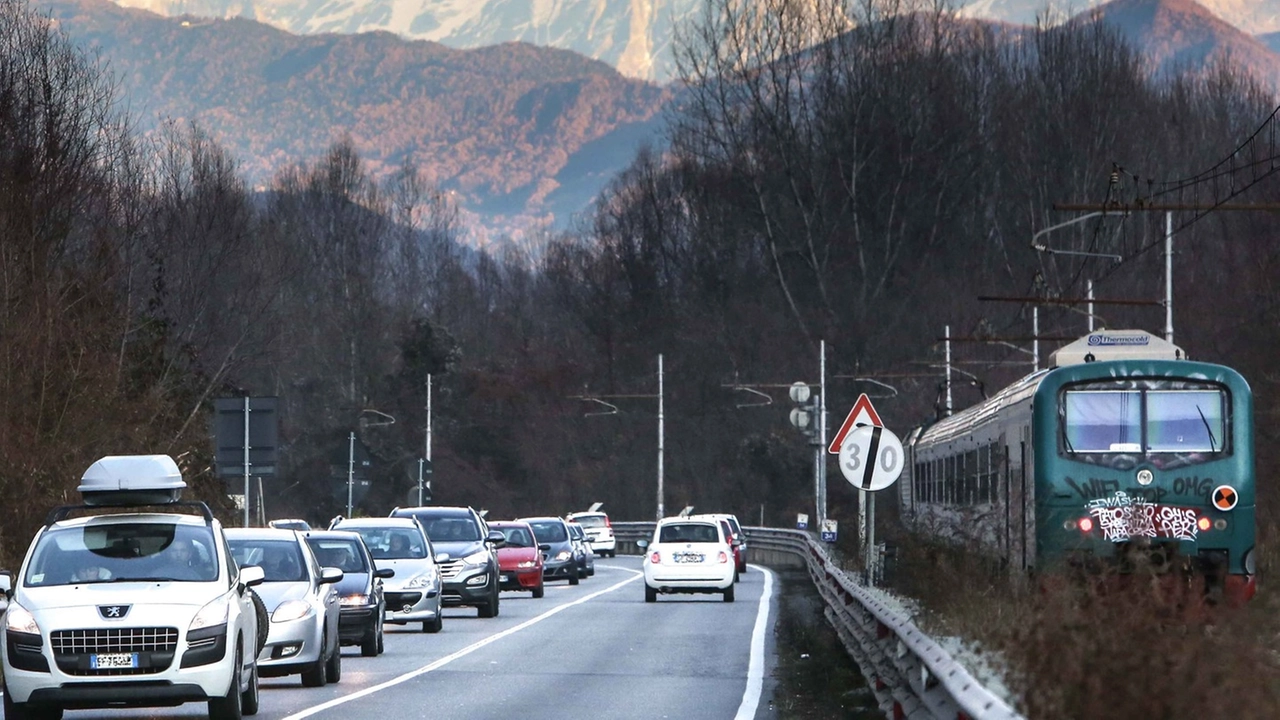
(830, 530)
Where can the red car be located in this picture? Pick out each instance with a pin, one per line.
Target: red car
(520, 561)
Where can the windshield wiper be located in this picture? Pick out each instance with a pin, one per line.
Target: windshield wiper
(1213, 445)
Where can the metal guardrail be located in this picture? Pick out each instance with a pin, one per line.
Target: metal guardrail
(911, 675)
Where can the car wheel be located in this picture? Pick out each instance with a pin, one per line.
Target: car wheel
(381, 644)
(737, 577)
(313, 675)
(433, 626)
(249, 698)
(728, 594)
(573, 579)
(333, 668)
(369, 646)
(264, 621)
(539, 591)
(227, 707)
(650, 594)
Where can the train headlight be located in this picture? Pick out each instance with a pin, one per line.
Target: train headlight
(1249, 562)
(1145, 477)
(1086, 525)
(1220, 524)
(1204, 523)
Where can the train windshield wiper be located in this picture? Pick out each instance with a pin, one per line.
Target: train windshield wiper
(1213, 445)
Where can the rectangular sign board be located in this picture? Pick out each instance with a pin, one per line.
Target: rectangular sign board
(802, 521)
(229, 436)
(830, 530)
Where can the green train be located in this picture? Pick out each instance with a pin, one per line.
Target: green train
(1123, 454)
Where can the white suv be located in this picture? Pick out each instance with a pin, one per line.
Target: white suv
(599, 532)
(140, 609)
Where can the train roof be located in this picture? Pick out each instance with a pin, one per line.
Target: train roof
(1116, 345)
(960, 424)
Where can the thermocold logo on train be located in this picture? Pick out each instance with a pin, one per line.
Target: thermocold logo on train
(1119, 339)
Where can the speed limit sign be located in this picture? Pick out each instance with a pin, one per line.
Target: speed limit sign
(871, 458)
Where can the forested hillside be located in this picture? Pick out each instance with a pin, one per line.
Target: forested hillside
(865, 192)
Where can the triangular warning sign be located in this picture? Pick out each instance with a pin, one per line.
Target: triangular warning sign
(863, 413)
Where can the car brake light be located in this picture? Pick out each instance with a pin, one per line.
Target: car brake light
(607, 523)
(723, 557)
(655, 558)
(1204, 523)
(1086, 524)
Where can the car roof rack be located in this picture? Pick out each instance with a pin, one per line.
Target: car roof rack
(61, 512)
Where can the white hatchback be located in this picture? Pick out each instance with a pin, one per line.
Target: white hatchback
(599, 532)
(687, 556)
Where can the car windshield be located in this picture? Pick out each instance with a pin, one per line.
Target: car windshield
(590, 521)
(517, 537)
(688, 532)
(451, 529)
(123, 552)
(280, 560)
(394, 543)
(342, 554)
(549, 531)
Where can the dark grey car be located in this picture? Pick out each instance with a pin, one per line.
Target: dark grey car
(559, 561)
(466, 550)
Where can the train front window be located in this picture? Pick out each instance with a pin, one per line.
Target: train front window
(1144, 421)
(1103, 421)
(1185, 421)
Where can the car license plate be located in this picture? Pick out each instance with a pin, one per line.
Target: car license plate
(113, 661)
(688, 557)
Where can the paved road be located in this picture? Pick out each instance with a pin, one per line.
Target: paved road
(591, 650)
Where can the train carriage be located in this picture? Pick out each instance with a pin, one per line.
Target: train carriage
(1122, 455)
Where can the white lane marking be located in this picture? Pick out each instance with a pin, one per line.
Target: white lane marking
(755, 668)
(461, 653)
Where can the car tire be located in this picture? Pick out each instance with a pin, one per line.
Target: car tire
(264, 622)
(650, 594)
(381, 644)
(227, 707)
(369, 645)
(333, 668)
(313, 675)
(249, 699)
(539, 591)
(433, 626)
(737, 577)
(728, 594)
(573, 579)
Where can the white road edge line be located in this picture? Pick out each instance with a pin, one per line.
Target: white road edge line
(463, 652)
(755, 668)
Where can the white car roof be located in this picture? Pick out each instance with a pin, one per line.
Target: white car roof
(122, 518)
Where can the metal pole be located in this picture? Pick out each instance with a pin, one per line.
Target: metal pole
(947, 335)
(420, 461)
(351, 468)
(1168, 276)
(246, 461)
(1035, 338)
(1090, 296)
(822, 430)
(660, 435)
(818, 450)
(428, 446)
(871, 539)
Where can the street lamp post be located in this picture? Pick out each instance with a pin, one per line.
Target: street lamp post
(351, 452)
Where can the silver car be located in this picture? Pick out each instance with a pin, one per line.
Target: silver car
(302, 600)
(399, 543)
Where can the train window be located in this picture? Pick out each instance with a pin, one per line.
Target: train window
(1103, 421)
(1185, 421)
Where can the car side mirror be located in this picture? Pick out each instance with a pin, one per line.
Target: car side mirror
(642, 544)
(544, 547)
(6, 583)
(330, 575)
(251, 575)
(385, 573)
(497, 539)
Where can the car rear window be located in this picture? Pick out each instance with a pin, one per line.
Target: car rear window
(688, 532)
(590, 521)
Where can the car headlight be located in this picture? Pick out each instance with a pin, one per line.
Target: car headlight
(290, 610)
(19, 619)
(477, 558)
(420, 581)
(526, 564)
(211, 615)
(354, 600)
(564, 555)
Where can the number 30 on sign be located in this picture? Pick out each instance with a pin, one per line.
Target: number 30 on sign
(871, 458)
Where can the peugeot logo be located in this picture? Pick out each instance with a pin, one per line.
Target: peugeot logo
(113, 612)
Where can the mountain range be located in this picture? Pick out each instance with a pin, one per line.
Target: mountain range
(634, 36)
(524, 135)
